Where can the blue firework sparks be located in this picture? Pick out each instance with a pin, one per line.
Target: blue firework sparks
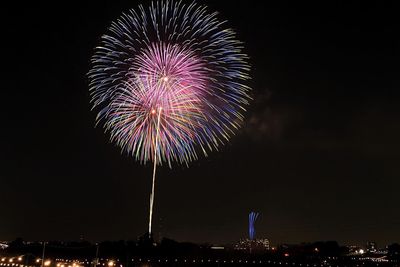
(176, 59)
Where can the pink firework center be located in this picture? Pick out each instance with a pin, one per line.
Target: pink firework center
(166, 88)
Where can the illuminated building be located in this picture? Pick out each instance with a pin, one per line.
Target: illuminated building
(256, 245)
(252, 243)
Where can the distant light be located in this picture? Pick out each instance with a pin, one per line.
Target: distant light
(47, 263)
(361, 251)
(37, 260)
(19, 258)
(286, 254)
(110, 263)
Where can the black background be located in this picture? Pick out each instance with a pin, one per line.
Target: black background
(318, 156)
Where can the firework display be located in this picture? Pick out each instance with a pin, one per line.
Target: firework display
(252, 219)
(169, 82)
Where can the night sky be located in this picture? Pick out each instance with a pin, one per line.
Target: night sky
(318, 155)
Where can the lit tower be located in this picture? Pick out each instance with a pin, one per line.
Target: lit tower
(252, 219)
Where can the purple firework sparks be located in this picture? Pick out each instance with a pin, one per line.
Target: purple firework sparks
(176, 61)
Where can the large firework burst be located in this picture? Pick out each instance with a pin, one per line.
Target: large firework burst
(169, 82)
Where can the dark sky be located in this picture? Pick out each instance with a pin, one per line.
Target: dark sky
(318, 156)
